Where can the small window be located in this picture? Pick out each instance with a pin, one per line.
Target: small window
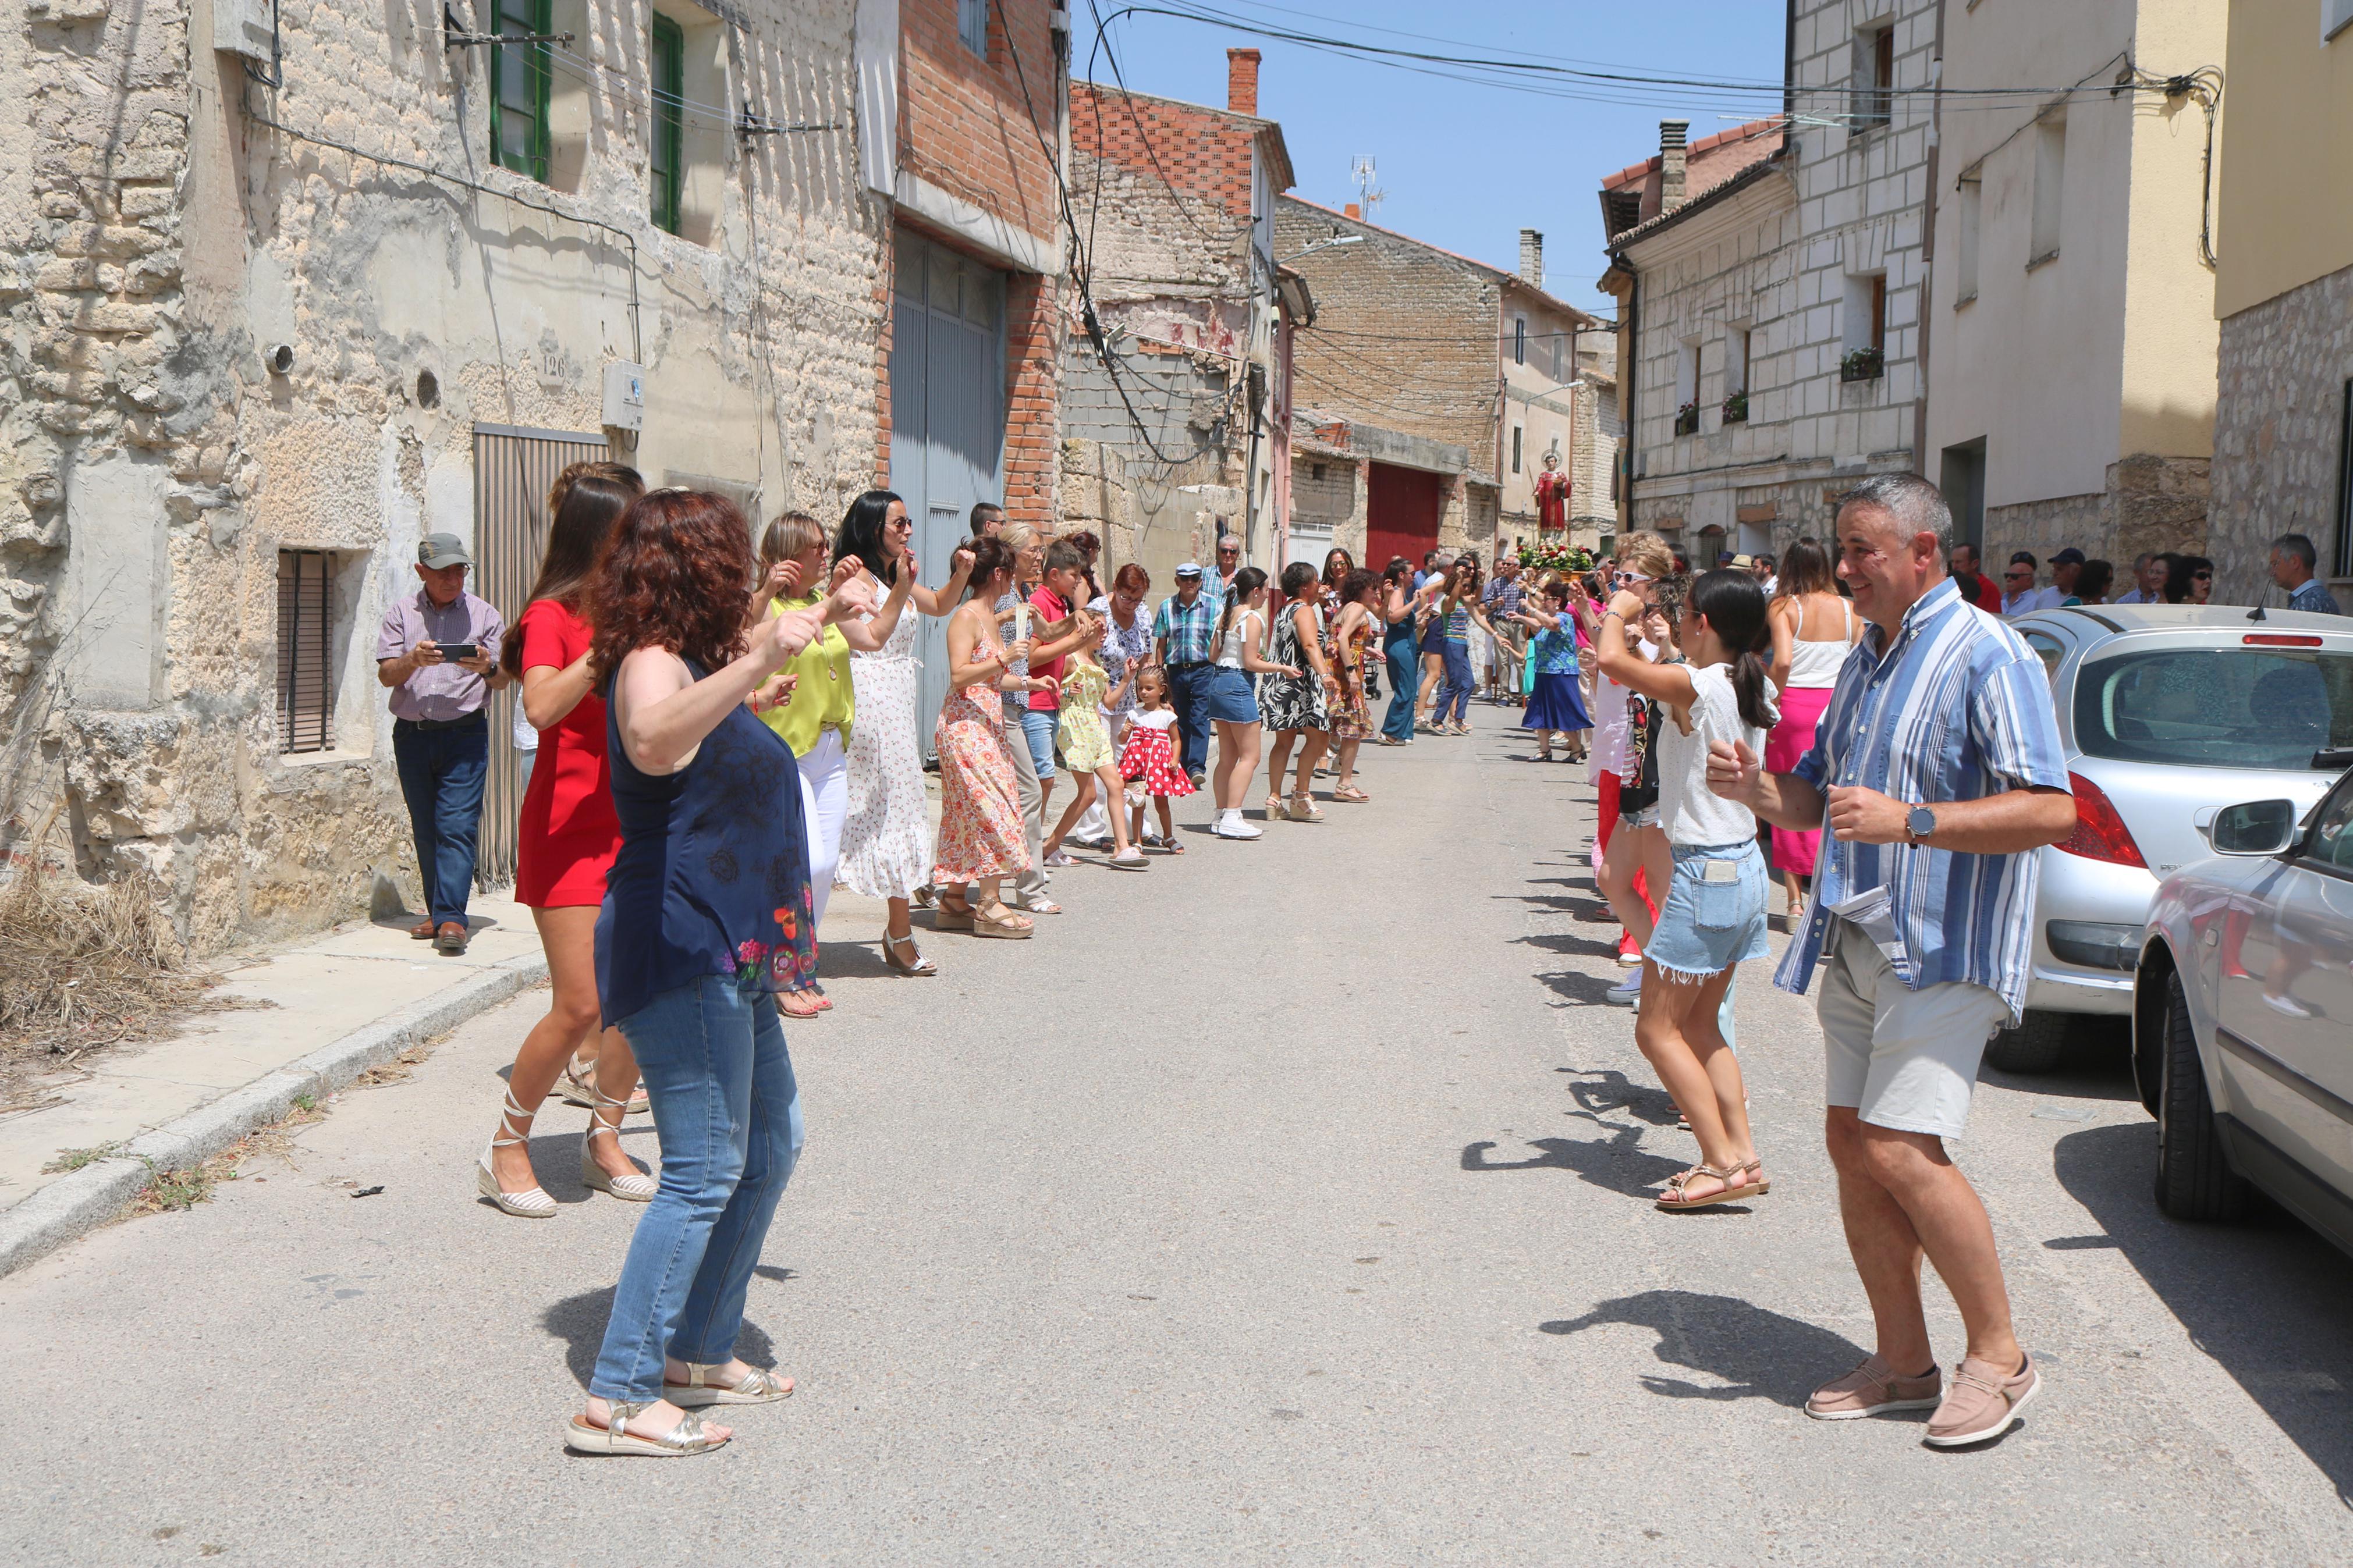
(2050, 177)
(1516, 433)
(521, 76)
(666, 57)
(1879, 311)
(1736, 344)
(1965, 248)
(1519, 339)
(972, 25)
(1315, 471)
(1871, 101)
(306, 696)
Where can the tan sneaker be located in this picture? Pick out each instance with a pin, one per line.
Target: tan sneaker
(1873, 1389)
(1984, 1404)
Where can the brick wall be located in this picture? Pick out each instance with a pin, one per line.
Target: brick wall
(1404, 335)
(964, 122)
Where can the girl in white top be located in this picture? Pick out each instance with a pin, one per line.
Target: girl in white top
(1241, 650)
(1714, 913)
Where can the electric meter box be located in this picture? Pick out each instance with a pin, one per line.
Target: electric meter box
(625, 397)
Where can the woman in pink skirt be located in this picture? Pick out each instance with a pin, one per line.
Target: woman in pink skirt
(1813, 630)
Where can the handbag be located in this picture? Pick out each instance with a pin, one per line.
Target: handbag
(1641, 790)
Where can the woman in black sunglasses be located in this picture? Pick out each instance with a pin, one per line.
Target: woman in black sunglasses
(2191, 581)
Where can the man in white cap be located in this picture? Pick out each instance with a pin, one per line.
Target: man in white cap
(438, 650)
(1184, 639)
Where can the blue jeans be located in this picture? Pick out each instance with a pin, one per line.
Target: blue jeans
(1038, 725)
(1404, 679)
(729, 1115)
(1454, 686)
(1189, 693)
(441, 776)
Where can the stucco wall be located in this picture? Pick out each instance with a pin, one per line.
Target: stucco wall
(2289, 128)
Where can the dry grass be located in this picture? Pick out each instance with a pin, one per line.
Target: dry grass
(88, 968)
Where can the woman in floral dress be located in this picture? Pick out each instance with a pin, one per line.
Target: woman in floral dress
(1352, 641)
(886, 829)
(1294, 707)
(982, 836)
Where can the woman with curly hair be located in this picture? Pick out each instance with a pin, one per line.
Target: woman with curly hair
(707, 914)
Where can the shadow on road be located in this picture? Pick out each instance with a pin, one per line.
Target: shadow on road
(1571, 942)
(1759, 1355)
(1579, 989)
(1619, 1164)
(579, 1322)
(2265, 1300)
(1597, 1089)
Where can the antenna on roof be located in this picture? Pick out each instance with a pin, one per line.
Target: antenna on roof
(1368, 196)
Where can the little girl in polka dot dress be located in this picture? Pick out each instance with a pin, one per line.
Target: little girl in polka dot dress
(1149, 759)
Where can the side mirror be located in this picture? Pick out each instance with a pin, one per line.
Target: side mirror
(2254, 828)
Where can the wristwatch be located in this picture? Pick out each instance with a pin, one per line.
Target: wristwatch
(1920, 822)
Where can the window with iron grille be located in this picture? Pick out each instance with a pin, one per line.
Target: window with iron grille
(306, 690)
(972, 25)
(521, 76)
(668, 59)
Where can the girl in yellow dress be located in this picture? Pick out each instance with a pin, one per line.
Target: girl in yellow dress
(1086, 749)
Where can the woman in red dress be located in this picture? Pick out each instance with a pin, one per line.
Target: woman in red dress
(565, 843)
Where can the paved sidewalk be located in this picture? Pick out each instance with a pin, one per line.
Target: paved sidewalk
(311, 994)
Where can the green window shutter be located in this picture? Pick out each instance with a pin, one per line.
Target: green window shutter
(668, 164)
(521, 76)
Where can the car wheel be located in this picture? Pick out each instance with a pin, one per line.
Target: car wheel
(2034, 1046)
(2193, 1179)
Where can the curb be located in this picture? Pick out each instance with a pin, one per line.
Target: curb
(76, 1204)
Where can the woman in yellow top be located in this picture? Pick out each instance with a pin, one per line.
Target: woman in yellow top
(814, 718)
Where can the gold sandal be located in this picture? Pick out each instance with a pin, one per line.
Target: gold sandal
(688, 1437)
(1680, 1183)
(755, 1387)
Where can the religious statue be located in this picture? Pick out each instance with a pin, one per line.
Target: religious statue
(1552, 495)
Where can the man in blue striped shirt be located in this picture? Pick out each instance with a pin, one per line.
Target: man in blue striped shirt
(1937, 772)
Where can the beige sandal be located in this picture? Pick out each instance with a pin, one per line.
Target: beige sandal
(946, 916)
(1732, 1191)
(637, 1187)
(688, 1437)
(1005, 924)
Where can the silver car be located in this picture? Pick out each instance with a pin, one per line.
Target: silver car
(2166, 712)
(2243, 1016)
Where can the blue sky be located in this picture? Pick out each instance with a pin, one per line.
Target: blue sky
(1467, 165)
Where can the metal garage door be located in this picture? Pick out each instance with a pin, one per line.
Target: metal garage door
(947, 419)
(513, 469)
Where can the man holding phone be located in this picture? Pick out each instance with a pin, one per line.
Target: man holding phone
(438, 652)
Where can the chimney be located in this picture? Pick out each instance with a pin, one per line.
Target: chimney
(1241, 81)
(1532, 259)
(1354, 211)
(1671, 163)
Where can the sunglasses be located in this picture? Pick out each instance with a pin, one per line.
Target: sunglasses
(2019, 571)
(2202, 577)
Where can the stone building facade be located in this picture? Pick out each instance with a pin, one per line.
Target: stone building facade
(280, 303)
(2284, 289)
(1791, 304)
(1176, 433)
(1407, 373)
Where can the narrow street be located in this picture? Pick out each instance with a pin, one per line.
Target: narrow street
(1287, 1204)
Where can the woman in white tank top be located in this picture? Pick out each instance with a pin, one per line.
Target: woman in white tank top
(1713, 915)
(1814, 629)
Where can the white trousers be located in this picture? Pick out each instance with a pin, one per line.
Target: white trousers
(824, 804)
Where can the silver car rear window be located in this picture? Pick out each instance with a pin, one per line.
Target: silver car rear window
(2216, 707)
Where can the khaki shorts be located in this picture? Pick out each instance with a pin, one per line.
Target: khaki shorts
(1902, 1059)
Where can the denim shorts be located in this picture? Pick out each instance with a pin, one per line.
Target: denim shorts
(1225, 698)
(1041, 724)
(1707, 925)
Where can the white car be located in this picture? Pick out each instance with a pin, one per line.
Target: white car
(2166, 712)
(2242, 1018)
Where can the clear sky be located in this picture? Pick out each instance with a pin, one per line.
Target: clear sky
(1466, 164)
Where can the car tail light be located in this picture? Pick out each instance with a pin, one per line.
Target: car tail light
(2100, 834)
(2279, 639)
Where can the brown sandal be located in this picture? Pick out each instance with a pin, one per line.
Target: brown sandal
(1005, 924)
(1680, 1183)
(956, 916)
(1350, 792)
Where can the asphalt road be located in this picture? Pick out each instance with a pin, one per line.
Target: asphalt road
(1283, 1205)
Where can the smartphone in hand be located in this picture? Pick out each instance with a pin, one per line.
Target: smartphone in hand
(454, 651)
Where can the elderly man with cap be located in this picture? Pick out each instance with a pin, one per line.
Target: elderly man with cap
(1220, 584)
(2065, 567)
(1184, 642)
(438, 651)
